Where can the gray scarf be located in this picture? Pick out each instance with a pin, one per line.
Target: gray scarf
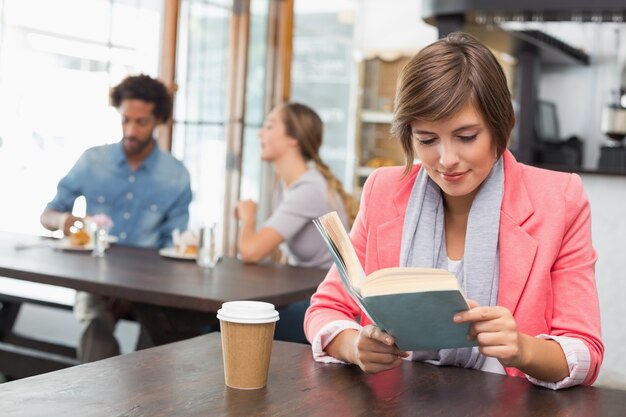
(423, 245)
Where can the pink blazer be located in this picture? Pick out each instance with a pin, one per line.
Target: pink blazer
(546, 257)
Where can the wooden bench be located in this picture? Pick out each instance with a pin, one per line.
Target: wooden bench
(23, 356)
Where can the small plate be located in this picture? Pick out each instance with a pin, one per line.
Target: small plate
(171, 253)
(64, 244)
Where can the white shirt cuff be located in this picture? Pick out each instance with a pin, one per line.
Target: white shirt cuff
(578, 361)
(326, 335)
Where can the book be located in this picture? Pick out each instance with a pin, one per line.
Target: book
(414, 305)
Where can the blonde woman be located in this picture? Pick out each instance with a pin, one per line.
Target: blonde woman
(290, 141)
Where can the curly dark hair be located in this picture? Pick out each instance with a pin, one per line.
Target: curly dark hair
(146, 88)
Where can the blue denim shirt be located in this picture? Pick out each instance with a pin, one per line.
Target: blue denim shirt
(145, 205)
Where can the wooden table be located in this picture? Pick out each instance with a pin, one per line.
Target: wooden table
(135, 274)
(186, 379)
(142, 275)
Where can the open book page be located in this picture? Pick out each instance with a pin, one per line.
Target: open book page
(406, 280)
(338, 243)
(330, 226)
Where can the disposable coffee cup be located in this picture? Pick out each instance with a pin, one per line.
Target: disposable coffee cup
(247, 331)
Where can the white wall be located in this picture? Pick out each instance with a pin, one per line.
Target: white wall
(607, 196)
(392, 27)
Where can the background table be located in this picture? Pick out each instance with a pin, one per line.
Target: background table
(186, 379)
(142, 275)
(135, 274)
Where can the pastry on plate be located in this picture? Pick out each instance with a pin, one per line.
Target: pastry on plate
(186, 243)
(79, 238)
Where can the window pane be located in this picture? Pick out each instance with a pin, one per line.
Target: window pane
(324, 73)
(251, 166)
(201, 103)
(56, 68)
(255, 101)
(130, 43)
(257, 61)
(78, 19)
(204, 153)
(202, 62)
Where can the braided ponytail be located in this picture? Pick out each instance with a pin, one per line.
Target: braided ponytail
(304, 124)
(350, 205)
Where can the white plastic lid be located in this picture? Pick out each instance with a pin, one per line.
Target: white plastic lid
(247, 312)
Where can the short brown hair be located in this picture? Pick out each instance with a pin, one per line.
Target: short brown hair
(441, 79)
(145, 88)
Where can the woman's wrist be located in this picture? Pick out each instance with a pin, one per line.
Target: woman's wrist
(247, 221)
(527, 348)
(541, 359)
(247, 228)
(523, 356)
(342, 346)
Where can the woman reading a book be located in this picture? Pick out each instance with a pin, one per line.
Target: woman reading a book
(290, 141)
(517, 238)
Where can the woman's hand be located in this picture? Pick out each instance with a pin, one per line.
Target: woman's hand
(254, 245)
(495, 330)
(246, 211)
(370, 348)
(376, 351)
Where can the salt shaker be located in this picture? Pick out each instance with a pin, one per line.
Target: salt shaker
(100, 225)
(100, 241)
(208, 255)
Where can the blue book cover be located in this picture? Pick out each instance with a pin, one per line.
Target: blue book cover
(414, 305)
(420, 320)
